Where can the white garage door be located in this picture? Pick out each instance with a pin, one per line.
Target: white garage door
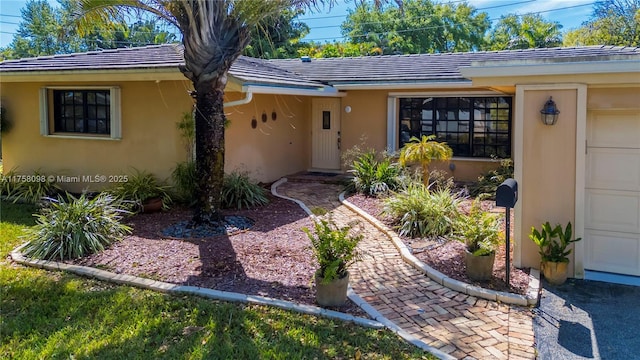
(612, 223)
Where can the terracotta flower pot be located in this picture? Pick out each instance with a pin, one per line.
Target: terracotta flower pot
(479, 267)
(152, 205)
(333, 293)
(555, 272)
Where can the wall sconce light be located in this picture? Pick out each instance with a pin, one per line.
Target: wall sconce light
(549, 113)
(347, 109)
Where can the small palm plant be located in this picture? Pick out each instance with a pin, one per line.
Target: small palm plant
(424, 151)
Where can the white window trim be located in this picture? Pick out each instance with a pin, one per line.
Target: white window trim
(115, 109)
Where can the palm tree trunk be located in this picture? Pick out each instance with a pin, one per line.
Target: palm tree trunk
(209, 122)
(425, 173)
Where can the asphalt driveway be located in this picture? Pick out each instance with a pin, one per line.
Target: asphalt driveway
(588, 320)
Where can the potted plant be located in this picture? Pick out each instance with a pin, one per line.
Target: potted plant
(335, 249)
(480, 232)
(553, 244)
(144, 191)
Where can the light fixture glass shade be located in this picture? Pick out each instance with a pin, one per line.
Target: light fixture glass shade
(549, 113)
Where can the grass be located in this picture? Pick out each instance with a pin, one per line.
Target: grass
(59, 315)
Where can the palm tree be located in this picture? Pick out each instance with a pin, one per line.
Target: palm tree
(424, 151)
(214, 34)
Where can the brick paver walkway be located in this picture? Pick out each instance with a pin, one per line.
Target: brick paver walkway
(461, 325)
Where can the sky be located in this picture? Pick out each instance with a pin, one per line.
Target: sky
(325, 24)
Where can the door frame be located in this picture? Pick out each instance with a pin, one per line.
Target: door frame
(319, 105)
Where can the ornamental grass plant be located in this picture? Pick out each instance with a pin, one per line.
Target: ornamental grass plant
(75, 227)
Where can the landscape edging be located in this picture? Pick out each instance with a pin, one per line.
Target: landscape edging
(363, 304)
(533, 290)
(164, 287)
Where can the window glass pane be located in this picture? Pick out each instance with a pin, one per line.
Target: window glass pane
(102, 112)
(471, 126)
(81, 111)
(326, 120)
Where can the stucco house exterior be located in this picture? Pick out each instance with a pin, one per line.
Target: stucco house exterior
(105, 112)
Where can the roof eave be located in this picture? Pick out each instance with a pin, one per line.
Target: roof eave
(391, 85)
(261, 88)
(128, 74)
(542, 68)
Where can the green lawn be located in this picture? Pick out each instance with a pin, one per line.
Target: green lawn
(57, 315)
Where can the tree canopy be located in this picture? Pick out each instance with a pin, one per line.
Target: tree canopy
(419, 26)
(613, 22)
(47, 30)
(524, 32)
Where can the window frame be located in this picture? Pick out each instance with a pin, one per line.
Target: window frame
(471, 111)
(47, 116)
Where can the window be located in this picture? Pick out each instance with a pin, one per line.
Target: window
(471, 126)
(80, 112)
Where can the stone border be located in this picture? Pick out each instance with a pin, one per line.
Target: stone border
(365, 306)
(164, 287)
(533, 290)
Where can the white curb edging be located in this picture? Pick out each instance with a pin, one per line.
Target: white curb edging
(164, 287)
(365, 306)
(505, 297)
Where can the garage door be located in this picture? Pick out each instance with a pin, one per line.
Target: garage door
(612, 223)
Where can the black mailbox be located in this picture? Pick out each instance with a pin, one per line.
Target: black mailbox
(507, 194)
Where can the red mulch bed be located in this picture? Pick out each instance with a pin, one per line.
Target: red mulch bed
(448, 257)
(274, 258)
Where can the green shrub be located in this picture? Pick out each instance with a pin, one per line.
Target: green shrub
(372, 176)
(185, 181)
(440, 180)
(28, 188)
(140, 187)
(76, 227)
(334, 248)
(239, 192)
(488, 183)
(7, 185)
(422, 213)
(479, 231)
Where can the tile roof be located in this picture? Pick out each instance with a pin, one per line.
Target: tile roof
(167, 56)
(430, 67)
(293, 72)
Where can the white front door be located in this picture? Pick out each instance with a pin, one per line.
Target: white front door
(612, 201)
(325, 134)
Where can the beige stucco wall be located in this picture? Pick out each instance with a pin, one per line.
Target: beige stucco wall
(149, 138)
(547, 187)
(274, 148)
(368, 121)
(150, 141)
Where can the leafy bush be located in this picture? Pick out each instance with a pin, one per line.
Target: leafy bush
(421, 213)
(140, 187)
(27, 188)
(7, 185)
(76, 227)
(553, 242)
(479, 231)
(488, 183)
(440, 180)
(185, 180)
(373, 177)
(239, 192)
(334, 248)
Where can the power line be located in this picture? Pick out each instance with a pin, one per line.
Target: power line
(442, 26)
(422, 17)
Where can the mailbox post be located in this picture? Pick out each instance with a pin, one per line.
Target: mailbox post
(507, 196)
